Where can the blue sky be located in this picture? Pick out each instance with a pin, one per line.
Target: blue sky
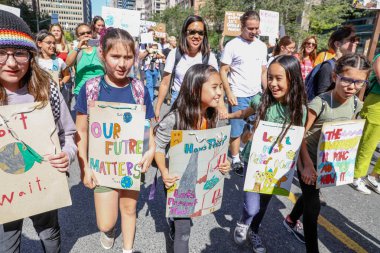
(97, 7)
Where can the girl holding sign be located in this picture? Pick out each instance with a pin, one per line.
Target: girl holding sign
(195, 108)
(282, 102)
(23, 81)
(338, 104)
(118, 54)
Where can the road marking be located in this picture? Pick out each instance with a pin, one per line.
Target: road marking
(336, 232)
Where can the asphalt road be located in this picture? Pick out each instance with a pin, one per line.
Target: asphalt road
(351, 216)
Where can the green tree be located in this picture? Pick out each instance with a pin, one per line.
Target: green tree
(69, 36)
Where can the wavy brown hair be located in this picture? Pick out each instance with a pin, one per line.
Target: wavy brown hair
(295, 99)
(62, 40)
(283, 42)
(313, 54)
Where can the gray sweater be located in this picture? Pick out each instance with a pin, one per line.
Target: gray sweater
(65, 124)
(163, 133)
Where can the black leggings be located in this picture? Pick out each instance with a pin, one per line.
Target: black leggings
(309, 205)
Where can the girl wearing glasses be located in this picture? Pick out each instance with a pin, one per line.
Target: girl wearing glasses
(307, 55)
(339, 104)
(285, 46)
(23, 81)
(193, 49)
(84, 58)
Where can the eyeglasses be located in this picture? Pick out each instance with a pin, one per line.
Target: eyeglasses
(354, 39)
(310, 44)
(193, 32)
(20, 56)
(86, 32)
(345, 81)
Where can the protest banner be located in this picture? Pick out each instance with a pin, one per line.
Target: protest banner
(29, 185)
(146, 25)
(271, 164)
(116, 134)
(195, 156)
(366, 4)
(160, 30)
(232, 25)
(269, 23)
(337, 149)
(128, 20)
(146, 38)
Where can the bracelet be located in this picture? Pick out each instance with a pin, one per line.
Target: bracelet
(77, 49)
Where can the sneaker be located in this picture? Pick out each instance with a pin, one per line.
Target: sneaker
(372, 183)
(238, 168)
(295, 228)
(240, 233)
(171, 228)
(107, 239)
(360, 186)
(257, 244)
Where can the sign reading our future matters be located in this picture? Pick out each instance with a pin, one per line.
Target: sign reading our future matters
(272, 164)
(337, 149)
(116, 135)
(29, 185)
(128, 20)
(195, 156)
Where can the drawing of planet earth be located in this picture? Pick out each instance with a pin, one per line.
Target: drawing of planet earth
(126, 182)
(109, 20)
(127, 117)
(18, 158)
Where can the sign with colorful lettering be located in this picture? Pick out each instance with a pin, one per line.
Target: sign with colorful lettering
(232, 26)
(195, 156)
(269, 23)
(272, 161)
(128, 20)
(367, 4)
(29, 185)
(116, 136)
(337, 150)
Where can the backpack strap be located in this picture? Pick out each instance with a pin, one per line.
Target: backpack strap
(55, 66)
(205, 58)
(323, 107)
(92, 90)
(55, 102)
(178, 57)
(138, 90)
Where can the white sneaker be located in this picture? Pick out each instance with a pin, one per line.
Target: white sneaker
(372, 183)
(240, 233)
(360, 186)
(107, 239)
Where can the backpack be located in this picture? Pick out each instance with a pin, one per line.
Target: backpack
(324, 105)
(310, 81)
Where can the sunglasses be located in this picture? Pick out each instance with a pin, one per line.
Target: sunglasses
(310, 44)
(193, 32)
(83, 33)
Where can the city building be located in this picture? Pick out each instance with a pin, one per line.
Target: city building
(154, 6)
(122, 4)
(70, 12)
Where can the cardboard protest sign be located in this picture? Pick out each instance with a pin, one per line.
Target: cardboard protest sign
(269, 23)
(160, 30)
(128, 20)
(232, 26)
(367, 4)
(337, 149)
(271, 164)
(116, 134)
(194, 156)
(29, 185)
(146, 38)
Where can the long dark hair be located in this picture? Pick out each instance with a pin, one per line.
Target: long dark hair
(295, 99)
(93, 23)
(188, 103)
(183, 47)
(313, 54)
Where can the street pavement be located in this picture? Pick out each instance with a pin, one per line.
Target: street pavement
(349, 223)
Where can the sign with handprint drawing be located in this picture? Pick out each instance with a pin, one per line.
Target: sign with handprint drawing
(195, 156)
(29, 185)
(273, 158)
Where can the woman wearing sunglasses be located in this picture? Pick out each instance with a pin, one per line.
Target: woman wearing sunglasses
(193, 49)
(307, 55)
(84, 58)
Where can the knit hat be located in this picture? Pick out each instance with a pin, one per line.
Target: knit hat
(15, 33)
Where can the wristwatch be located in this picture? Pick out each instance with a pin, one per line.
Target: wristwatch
(76, 49)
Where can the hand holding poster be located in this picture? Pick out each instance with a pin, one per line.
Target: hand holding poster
(29, 185)
(232, 26)
(337, 150)
(271, 164)
(195, 156)
(116, 134)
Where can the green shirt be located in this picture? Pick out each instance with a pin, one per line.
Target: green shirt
(87, 67)
(332, 111)
(277, 113)
(373, 81)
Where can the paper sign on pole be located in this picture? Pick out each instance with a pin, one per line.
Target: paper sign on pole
(195, 156)
(367, 4)
(269, 23)
(337, 149)
(146, 38)
(29, 185)
(232, 26)
(116, 134)
(128, 20)
(146, 25)
(271, 164)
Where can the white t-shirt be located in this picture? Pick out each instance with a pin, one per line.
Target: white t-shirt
(245, 59)
(184, 64)
(47, 64)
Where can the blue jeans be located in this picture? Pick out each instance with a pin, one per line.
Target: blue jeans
(254, 207)
(237, 125)
(151, 77)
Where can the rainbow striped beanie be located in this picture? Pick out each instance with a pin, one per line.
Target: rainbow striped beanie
(15, 33)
